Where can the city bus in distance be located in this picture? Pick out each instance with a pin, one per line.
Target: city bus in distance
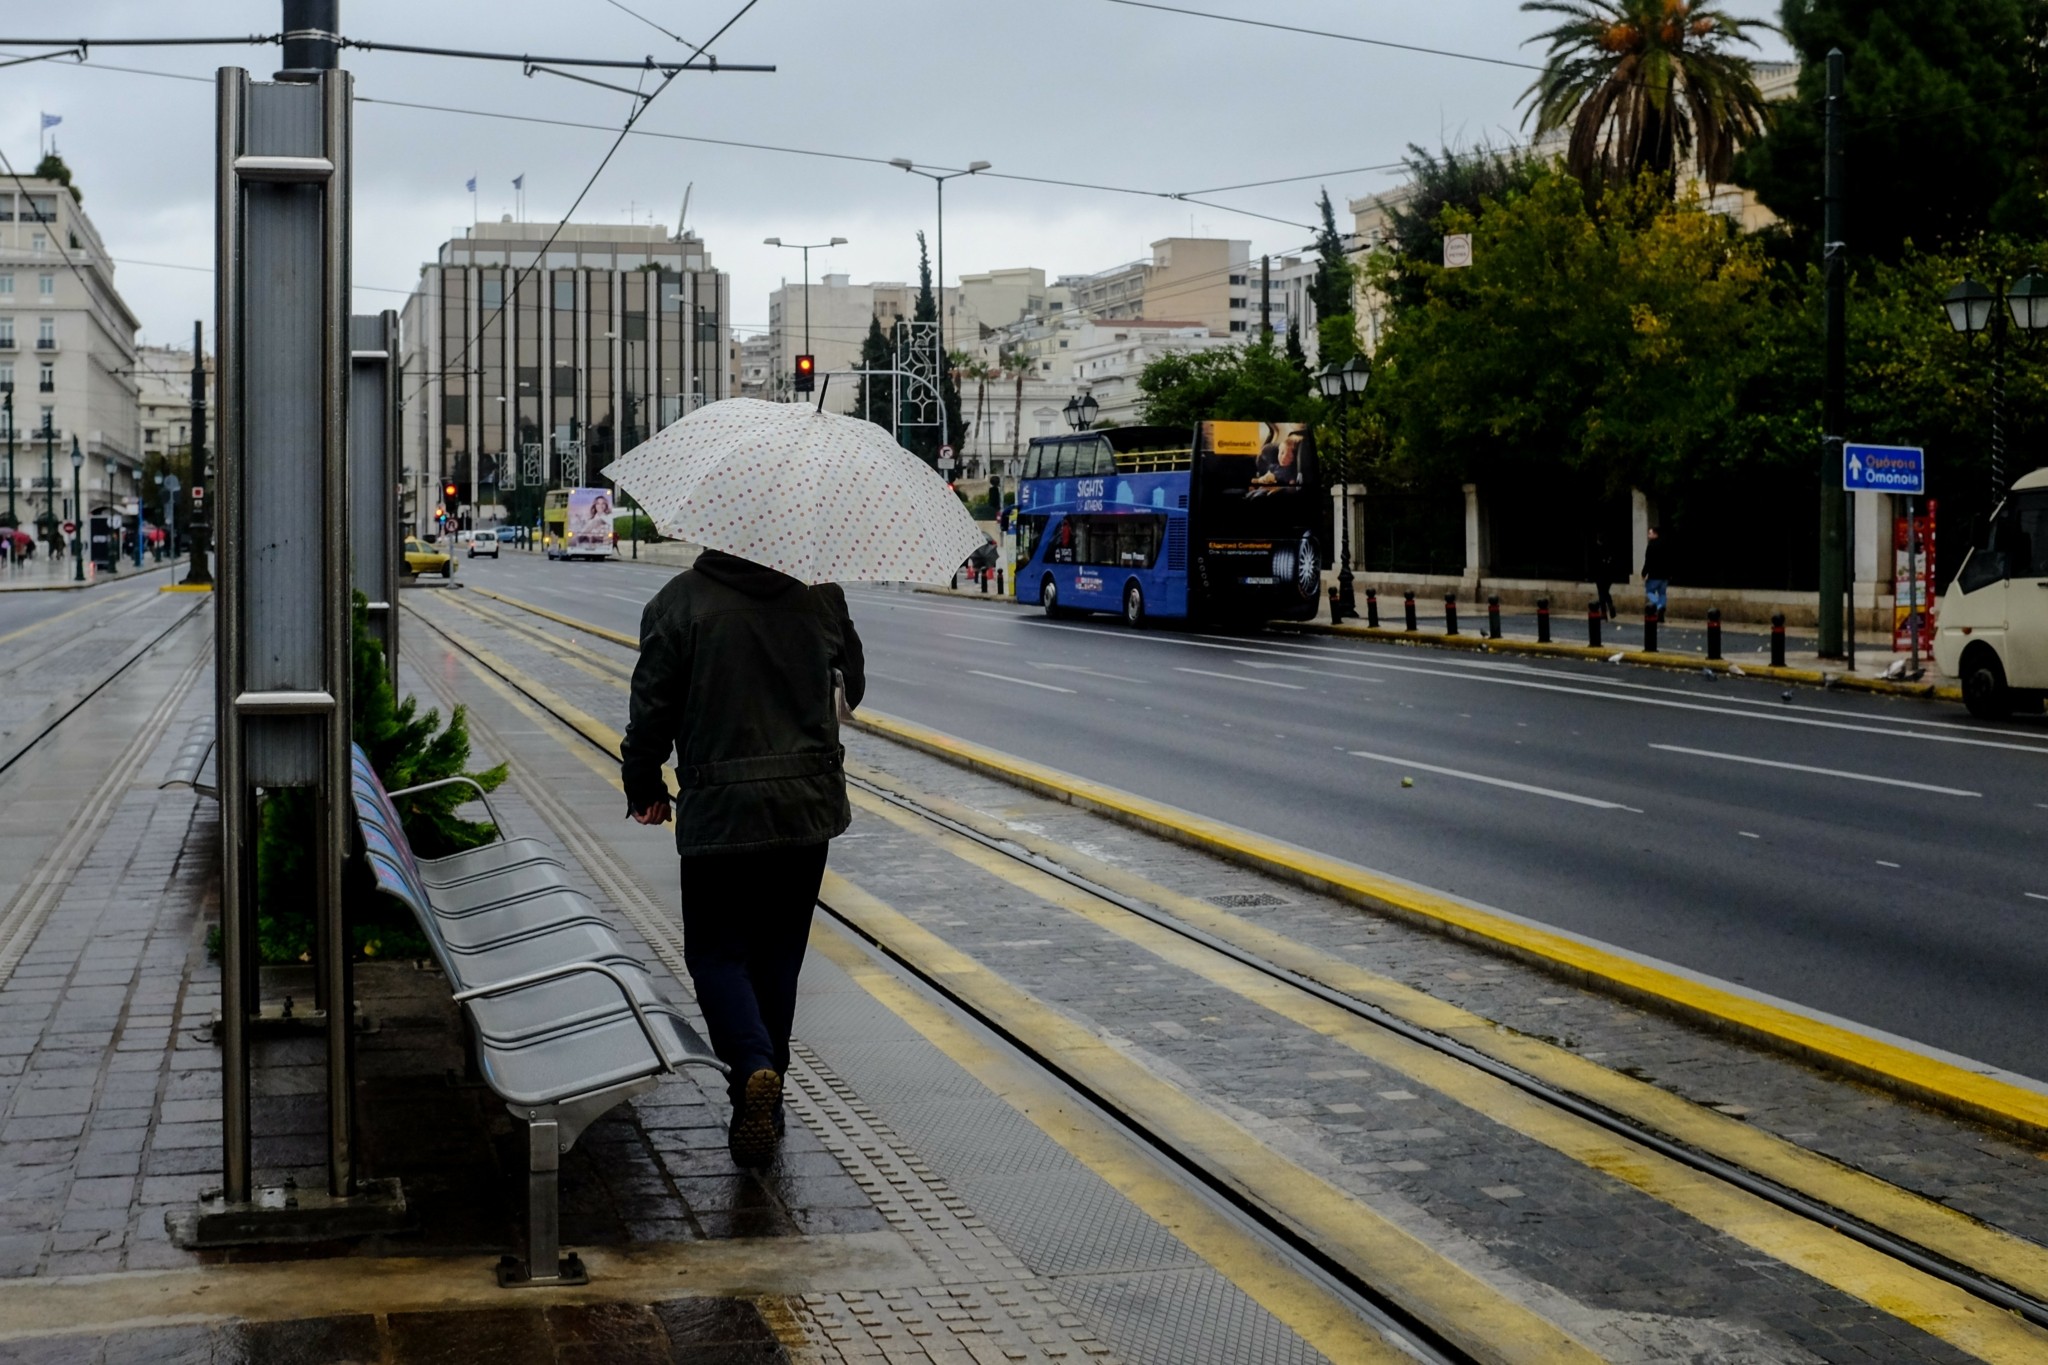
(1162, 523)
(576, 523)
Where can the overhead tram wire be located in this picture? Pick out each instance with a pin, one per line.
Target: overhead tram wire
(1326, 33)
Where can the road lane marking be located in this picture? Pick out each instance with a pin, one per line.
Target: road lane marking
(891, 677)
(1475, 675)
(1240, 678)
(1318, 672)
(1747, 835)
(2035, 896)
(1090, 672)
(1822, 772)
(1023, 682)
(1494, 781)
(621, 597)
(976, 639)
(1882, 863)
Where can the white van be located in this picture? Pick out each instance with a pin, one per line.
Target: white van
(480, 543)
(1993, 629)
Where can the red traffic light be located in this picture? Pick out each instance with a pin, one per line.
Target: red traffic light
(450, 489)
(806, 364)
(806, 374)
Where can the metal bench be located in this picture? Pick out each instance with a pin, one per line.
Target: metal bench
(193, 764)
(567, 1023)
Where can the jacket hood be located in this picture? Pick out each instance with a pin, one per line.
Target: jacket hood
(744, 575)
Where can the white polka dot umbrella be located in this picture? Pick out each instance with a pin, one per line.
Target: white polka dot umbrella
(820, 497)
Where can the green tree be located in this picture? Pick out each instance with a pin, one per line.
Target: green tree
(52, 167)
(1254, 382)
(1646, 86)
(1334, 292)
(1296, 356)
(871, 396)
(1619, 342)
(1945, 122)
(924, 441)
(1438, 181)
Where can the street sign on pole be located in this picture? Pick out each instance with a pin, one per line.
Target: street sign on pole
(1884, 469)
(1457, 251)
(946, 460)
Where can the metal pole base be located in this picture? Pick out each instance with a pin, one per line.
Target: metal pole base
(285, 1213)
(568, 1271)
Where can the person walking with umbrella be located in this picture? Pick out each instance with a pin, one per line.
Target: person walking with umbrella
(747, 661)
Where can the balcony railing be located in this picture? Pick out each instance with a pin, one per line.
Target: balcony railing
(46, 343)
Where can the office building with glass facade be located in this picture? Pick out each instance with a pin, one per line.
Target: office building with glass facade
(524, 373)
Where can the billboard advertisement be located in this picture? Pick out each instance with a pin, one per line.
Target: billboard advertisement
(589, 523)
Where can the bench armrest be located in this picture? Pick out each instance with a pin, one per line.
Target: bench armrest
(481, 795)
(568, 969)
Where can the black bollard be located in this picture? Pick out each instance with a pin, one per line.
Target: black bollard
(1777, 639)
(955, 584)
(1493, 618)
(1593, 619)
(999, 583)
(1372, 608)
(1713, 632)
(1542, 620)
(982, 574)
(1408, 602)
(1450, 613)
(1336, 612)
(1649, 630)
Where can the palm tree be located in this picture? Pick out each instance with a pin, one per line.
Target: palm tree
(1647, 85)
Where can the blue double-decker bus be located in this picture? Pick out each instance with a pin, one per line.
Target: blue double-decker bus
(1164, 523)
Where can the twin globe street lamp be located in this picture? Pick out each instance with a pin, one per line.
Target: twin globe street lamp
(1080, 412)
(1341, 384)
(1973, 308)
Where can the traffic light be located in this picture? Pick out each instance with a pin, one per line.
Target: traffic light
(451, 499)
(806, 373)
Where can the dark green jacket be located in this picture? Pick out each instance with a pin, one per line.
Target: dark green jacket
(735, 680)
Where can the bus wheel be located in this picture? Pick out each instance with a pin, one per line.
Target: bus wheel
(1049, 598)
(1134, 604)
(1984, 689)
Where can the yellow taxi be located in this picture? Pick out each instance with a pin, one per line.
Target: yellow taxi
(422, 558)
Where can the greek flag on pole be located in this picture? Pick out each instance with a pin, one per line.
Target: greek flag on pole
(51, 121)
(471, 186)
(519, 181)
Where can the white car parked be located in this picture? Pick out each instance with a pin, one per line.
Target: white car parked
(480, 543)
(1993, 630)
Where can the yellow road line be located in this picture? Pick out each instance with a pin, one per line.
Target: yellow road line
(1936, 1227)
(1319, 1317)
(1927, 1079)
(1474, 1315)
(1933, 1306)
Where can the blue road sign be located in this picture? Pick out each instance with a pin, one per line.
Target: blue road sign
(1884, 469)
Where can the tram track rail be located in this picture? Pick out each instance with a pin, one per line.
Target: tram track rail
(2023, 1300)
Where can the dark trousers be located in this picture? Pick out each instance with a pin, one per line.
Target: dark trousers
(746, 920)
(1606, 600)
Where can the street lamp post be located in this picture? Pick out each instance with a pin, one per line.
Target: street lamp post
(1080, 411)
(7, 406)
(49, 521)
(1341, 384)
(939, 179)
(1973, 308)
(807, 249)
(78, 515)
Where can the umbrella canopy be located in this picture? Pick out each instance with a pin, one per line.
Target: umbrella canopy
(820, 497)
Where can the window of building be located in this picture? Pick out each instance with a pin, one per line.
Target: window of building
(565, 295)
(1237, 303)
(1239, 325)
(46, 334)
(1240, 279)
(6, 208)
(6, 334)
(46, 285)
(150, 435)
(46, 378)
(6, 379)
(6, 283)
(48, 420)
(492, 294)
(1063, 345)
(41, 208)
(39, 243)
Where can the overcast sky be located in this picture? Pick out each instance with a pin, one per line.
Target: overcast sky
(1071, 90)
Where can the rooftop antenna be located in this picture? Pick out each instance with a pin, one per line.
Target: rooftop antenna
(684, 216)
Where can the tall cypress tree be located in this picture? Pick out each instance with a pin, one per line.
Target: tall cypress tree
(872, 394)
(1332, 291)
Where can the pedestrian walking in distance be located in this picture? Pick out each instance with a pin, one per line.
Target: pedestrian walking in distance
(736, 679)
(1656, 574)
(1604, 576)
